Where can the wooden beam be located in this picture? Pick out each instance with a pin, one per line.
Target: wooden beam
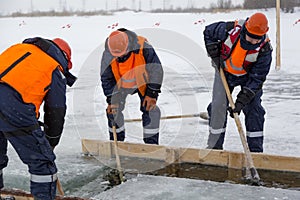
(278, 56)
(233, 160)
(23, 195)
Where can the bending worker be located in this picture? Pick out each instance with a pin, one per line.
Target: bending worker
(243, 50)
(130, 65)
(33, 72)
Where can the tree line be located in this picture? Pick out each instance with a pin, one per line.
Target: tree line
(285, 5)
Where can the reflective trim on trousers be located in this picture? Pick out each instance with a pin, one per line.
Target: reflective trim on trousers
(150, 131)
(118, 130)
(43, 178)
(255, 134)
(53, 137)
(216, 131)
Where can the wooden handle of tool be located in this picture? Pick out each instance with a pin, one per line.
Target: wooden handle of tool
(59, 188)
(238, 123)
(167, 117)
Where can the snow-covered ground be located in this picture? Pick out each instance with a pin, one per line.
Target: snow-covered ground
(186, 89)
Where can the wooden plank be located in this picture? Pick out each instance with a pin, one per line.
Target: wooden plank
(172, 155)
(144, 151)
(234, 160)
(23, 195)
(18, 197)
(205, 156)
(90, 147)
(273, 162)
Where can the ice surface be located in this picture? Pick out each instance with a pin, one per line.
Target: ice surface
(157, 188)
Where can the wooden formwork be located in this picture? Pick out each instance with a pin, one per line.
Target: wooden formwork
(233, 160)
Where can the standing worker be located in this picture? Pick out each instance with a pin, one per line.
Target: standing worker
(33, 72)
(243, 50)
(130, 65)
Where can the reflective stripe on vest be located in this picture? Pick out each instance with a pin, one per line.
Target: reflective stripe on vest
(238, 59)
(28, 70)
(132, 73)
(43, 178)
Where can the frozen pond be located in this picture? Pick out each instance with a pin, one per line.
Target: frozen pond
(186, 90)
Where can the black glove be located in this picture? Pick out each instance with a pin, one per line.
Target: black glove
(243, 98)
(70, 78)
(218, 63)
(237, 109)
(54, 119)
(214, 51)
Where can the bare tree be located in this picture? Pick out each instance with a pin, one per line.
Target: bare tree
(224, 4)
(286, 5)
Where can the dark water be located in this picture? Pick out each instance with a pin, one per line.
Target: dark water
(275, 179)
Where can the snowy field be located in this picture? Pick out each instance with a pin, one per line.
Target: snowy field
(186, 89)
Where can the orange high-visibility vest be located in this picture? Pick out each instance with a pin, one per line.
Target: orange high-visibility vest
(234, 64)
(28, 70)
(132, 73)
(238, 59)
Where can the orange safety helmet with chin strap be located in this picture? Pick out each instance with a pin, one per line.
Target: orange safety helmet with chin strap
(64, 46)
(257, 24)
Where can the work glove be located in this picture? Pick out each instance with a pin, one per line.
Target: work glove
(214, 52)
(70, 78)
(149, 103)
(243, 98)
(112, 109)
(238, 107)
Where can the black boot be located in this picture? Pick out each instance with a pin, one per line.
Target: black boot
(215, 141)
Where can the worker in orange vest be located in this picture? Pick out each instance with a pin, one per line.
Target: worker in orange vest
(33, 72)
(130, 65)
(242, 48)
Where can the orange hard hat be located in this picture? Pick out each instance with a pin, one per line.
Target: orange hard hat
(64, 46)
(117, 43)
(257, 24)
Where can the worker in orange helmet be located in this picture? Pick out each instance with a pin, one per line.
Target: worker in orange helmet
(130, 65)
(33, 72)
(242, 48)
